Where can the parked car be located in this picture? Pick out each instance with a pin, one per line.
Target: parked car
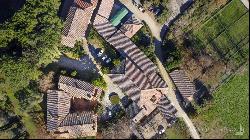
(157, 12)
(100, 53)
(110, 113)
(135, 3)
(151, 8)
(139, 6)
(108, 60)
(104, 57)
(161, 129)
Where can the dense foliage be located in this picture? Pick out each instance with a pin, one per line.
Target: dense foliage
(179, 130)
(37, 37)
(76, 52)
(29, 41)
(99, 82)
(144, 40)
(213, 39)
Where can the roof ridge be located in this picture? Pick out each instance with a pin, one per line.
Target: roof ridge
(63, 119)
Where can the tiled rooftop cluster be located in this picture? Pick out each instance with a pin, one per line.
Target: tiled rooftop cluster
(154, 110)
(59, 117)
(140, 72)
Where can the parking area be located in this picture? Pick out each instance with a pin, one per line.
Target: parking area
(108, 58)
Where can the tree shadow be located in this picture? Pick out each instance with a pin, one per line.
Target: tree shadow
(64, 8)
(13, 49)
(43, 105)
(202, 94)
(185, 6)
(8, 8)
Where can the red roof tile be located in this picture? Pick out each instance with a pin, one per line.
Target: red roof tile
(83, 4)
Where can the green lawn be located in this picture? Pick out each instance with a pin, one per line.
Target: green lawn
(240, 29)
(226, 34)
(231, 12)
(223, 43)
(228, 111)
(220, 21)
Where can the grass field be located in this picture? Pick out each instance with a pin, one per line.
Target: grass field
(225, 37)
(221, 20)
(225, 34)
(224, 115)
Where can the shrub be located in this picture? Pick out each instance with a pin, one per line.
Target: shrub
(63, 72)
(100, 110)
(74, 73)
(102, 96)
(76, 52)
(105, 70)
(116, 62)
(99, 82)
(114, 99)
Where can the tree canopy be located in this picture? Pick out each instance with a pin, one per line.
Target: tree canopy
(35, 29)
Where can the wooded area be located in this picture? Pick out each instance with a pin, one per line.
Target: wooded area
(29, 41)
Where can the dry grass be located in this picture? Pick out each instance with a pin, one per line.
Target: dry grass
(120, 130)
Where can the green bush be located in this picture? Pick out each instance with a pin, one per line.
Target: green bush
(105, 70)
(102, 96)
(73, 73)
(99, 110)
(76, 52)
(99, 82)
(63, 72)
(172, 57)
(115, 99)
(117, 62)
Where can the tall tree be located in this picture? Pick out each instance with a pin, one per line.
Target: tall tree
(36, 30)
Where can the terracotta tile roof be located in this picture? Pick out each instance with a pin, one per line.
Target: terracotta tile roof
(183, 83)
(69, 20)
(126, 85)
(60, 119)
(79, 89)
(83, 4)
(77, 119)
(137, 76)
(156, 110)
(140, 71)
(77, 21)
(105, 8)
(131, 26)
(146, 103)
(58, 105)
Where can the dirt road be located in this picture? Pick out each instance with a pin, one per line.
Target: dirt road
(246, 3)
(154, 26)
